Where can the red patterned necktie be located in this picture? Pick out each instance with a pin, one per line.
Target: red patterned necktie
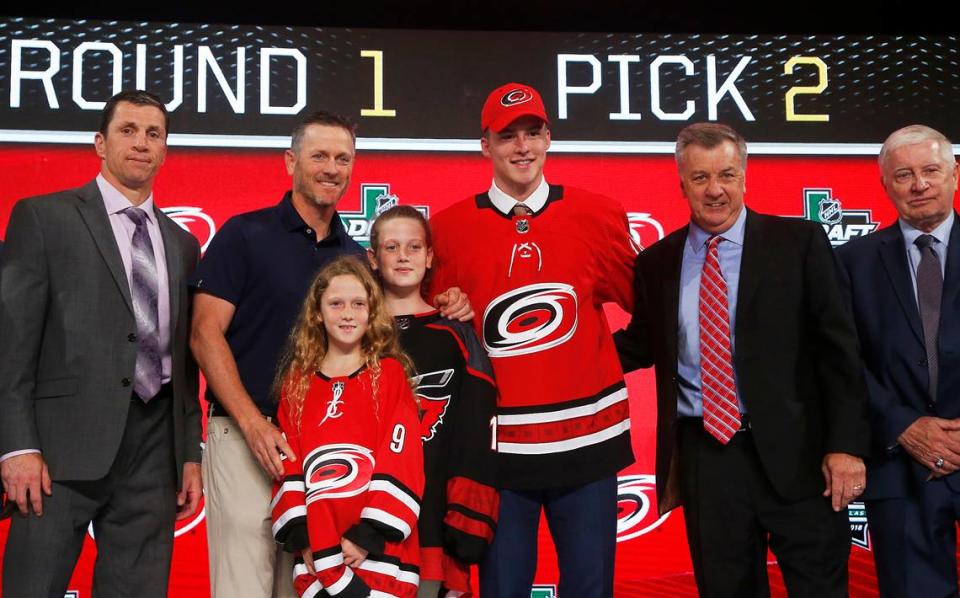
(721, 414)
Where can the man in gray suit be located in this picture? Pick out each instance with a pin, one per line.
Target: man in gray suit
(98, 390)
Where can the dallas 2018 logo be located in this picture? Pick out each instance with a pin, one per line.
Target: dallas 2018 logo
(841, 225)
(375, 199)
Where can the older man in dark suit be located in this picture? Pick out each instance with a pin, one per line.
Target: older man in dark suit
(98, 390)
(905, 291)
(760, 401)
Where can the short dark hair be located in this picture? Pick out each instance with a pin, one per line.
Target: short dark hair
(709, 136)
(327, 119)
(138, 97)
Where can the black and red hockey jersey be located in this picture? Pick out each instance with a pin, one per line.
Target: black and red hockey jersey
(360, 476)
(540, 282)
(458, 514)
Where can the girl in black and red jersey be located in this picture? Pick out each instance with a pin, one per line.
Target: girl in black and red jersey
(350, 498)
(457, 405)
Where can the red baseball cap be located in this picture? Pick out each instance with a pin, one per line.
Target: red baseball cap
(509, 102)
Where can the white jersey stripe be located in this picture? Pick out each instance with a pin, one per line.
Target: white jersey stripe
(288, 486)
(328, 562)
(391, 489)
(543, 448)
(544, 417)
(288, 515)
(314, 589)
(387, 519)
(342, 583)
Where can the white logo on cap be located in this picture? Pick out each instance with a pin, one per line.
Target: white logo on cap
(516, 96)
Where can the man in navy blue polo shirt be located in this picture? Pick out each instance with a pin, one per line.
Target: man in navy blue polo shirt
(249, 286)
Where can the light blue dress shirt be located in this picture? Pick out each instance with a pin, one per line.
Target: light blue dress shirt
(689, 400)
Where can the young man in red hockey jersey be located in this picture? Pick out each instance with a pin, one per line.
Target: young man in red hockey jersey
(539, 261)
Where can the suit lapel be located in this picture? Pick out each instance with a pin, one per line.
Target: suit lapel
(951, 277)
(751, 262)
(94, 215)
(172, 249)
(894, 259)
(671, 264)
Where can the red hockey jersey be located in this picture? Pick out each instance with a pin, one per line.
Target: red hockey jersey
(540, 282)
(458, 514)
(360, 476)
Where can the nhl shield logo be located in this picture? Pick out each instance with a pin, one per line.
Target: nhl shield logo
(829, 210)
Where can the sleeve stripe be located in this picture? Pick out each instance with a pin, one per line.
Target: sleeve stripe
(397, 484)
(314, 589)
(290, 485)
(288, 516)
(390, 488)
(381, 516)
(328, 562)
(342, 583)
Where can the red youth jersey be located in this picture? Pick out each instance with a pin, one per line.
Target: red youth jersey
(540, 282)
(360, 476)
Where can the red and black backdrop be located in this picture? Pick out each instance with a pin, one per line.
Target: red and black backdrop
(814, 109)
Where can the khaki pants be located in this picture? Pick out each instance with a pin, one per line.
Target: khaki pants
(245, 561)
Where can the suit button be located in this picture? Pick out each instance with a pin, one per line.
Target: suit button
(125, 382)
(132, 337)
(923, 361)
(929, 406)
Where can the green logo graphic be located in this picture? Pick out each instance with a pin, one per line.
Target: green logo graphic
(375, 198)
(543, 591)
(841, 225)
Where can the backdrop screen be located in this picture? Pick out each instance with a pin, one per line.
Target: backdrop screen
(814, 110)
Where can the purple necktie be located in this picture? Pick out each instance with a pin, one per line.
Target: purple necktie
(929, 292)
(143, 291)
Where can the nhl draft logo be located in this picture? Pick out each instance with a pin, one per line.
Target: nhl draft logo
(516, 96)
(859, 528)
(644, 230)
(635, 513)
(337, 471)
(375, 199)
(543, 591)
(433, 402)
(530, 319)
(841, 225)
(194, 221)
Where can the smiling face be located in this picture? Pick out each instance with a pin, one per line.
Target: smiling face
(134, 147)
(403, 254)
(714, 182)
(518, 153)
(321, 165)
(921, 183)
(345, 312)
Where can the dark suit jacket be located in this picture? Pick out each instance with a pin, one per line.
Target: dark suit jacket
(891, 335)
(67, 335)
(795, 358)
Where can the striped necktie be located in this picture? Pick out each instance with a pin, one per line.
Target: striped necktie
(144, 290)
(721, 414)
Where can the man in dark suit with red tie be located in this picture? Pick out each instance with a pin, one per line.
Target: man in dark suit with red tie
(904, 282)
(760, 402)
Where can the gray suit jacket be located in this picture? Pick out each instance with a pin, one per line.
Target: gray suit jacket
(67, 335)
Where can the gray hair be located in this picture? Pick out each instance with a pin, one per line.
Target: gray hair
(913, 134)
(709, 136)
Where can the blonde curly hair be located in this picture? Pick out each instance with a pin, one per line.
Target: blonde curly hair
(307, 344)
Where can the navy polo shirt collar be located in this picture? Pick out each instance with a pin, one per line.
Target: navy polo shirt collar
(292, 221)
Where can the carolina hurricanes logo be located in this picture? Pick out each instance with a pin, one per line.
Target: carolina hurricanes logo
(194, 221)
(644, 230)
(432, 406)
(337, 471)
(530, 319)
(635, 514)
(516, 96)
